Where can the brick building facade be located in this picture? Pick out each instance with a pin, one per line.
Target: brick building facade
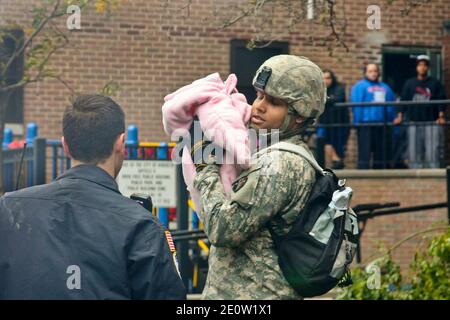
(151, 47)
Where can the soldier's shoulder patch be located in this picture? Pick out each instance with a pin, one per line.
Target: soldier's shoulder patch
(243, 188)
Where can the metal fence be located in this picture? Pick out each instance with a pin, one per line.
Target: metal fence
(59, 161)
(24, 162)
(384, 145)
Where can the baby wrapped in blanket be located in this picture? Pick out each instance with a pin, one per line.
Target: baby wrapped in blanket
(223, 114)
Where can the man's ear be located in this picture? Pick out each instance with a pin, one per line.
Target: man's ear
(65, 147)
(120, 143)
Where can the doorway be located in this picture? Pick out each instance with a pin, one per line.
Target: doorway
(399, 64)
(244, 63)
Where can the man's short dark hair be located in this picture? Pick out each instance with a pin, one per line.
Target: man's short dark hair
(91, 125)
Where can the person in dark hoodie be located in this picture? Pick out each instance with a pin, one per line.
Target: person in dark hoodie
(371, 137)
(425, 134)
(335, 138)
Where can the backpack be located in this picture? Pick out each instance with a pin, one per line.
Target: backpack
(315, 254)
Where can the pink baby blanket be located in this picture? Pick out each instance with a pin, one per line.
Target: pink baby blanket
(223, 113)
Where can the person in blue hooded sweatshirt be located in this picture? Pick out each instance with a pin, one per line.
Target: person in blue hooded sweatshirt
(371, 138)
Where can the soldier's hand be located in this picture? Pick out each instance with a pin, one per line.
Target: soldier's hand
(197, 154)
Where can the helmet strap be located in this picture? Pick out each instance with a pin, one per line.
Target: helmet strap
(299, 130)
(286, 122)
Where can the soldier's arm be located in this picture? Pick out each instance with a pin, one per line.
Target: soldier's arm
(258, 194)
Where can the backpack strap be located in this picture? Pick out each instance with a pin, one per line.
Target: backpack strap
(286, 146)
(290, 147)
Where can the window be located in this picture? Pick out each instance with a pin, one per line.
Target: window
(245, 62)
(11, 40)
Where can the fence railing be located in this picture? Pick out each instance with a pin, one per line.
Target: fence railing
(32, 171)
(381, 144)
(60, 162)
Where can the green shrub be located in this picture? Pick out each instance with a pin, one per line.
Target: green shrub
(382, 280)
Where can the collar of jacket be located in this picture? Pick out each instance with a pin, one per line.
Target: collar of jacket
(92, 173)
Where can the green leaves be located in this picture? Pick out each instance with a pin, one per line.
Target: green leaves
(389, 282)
(39, 14)
(110, 89)
(432, 270)
(429, 279)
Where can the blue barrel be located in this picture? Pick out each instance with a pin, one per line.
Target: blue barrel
(32, 133)
(163, 216)
(132, 141)
(162, 151)
(7, 137)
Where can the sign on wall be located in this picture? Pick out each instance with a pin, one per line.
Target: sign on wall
(155, 178)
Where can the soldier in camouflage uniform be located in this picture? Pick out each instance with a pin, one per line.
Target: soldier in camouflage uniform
(243, 263)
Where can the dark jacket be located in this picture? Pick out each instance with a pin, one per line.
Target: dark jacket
(332, 114)
(79, 238)
(423, 90)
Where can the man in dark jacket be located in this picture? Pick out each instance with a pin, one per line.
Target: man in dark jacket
(78, 237)
(425, 134)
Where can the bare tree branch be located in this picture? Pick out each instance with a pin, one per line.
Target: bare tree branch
(411, 5)
(242, 15)
(332, 23)
(17, 53)
(187, 7)
(64, 83)
(296, 12)
(40, 70)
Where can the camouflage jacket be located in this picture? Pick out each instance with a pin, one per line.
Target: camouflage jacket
(243, 263)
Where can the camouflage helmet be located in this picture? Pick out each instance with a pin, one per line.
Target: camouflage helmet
(295, 80)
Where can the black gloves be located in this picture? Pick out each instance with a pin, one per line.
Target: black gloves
(197, 154)
(201, 154)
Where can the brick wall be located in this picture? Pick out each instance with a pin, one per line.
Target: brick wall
(410, 188)
(150, 49)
